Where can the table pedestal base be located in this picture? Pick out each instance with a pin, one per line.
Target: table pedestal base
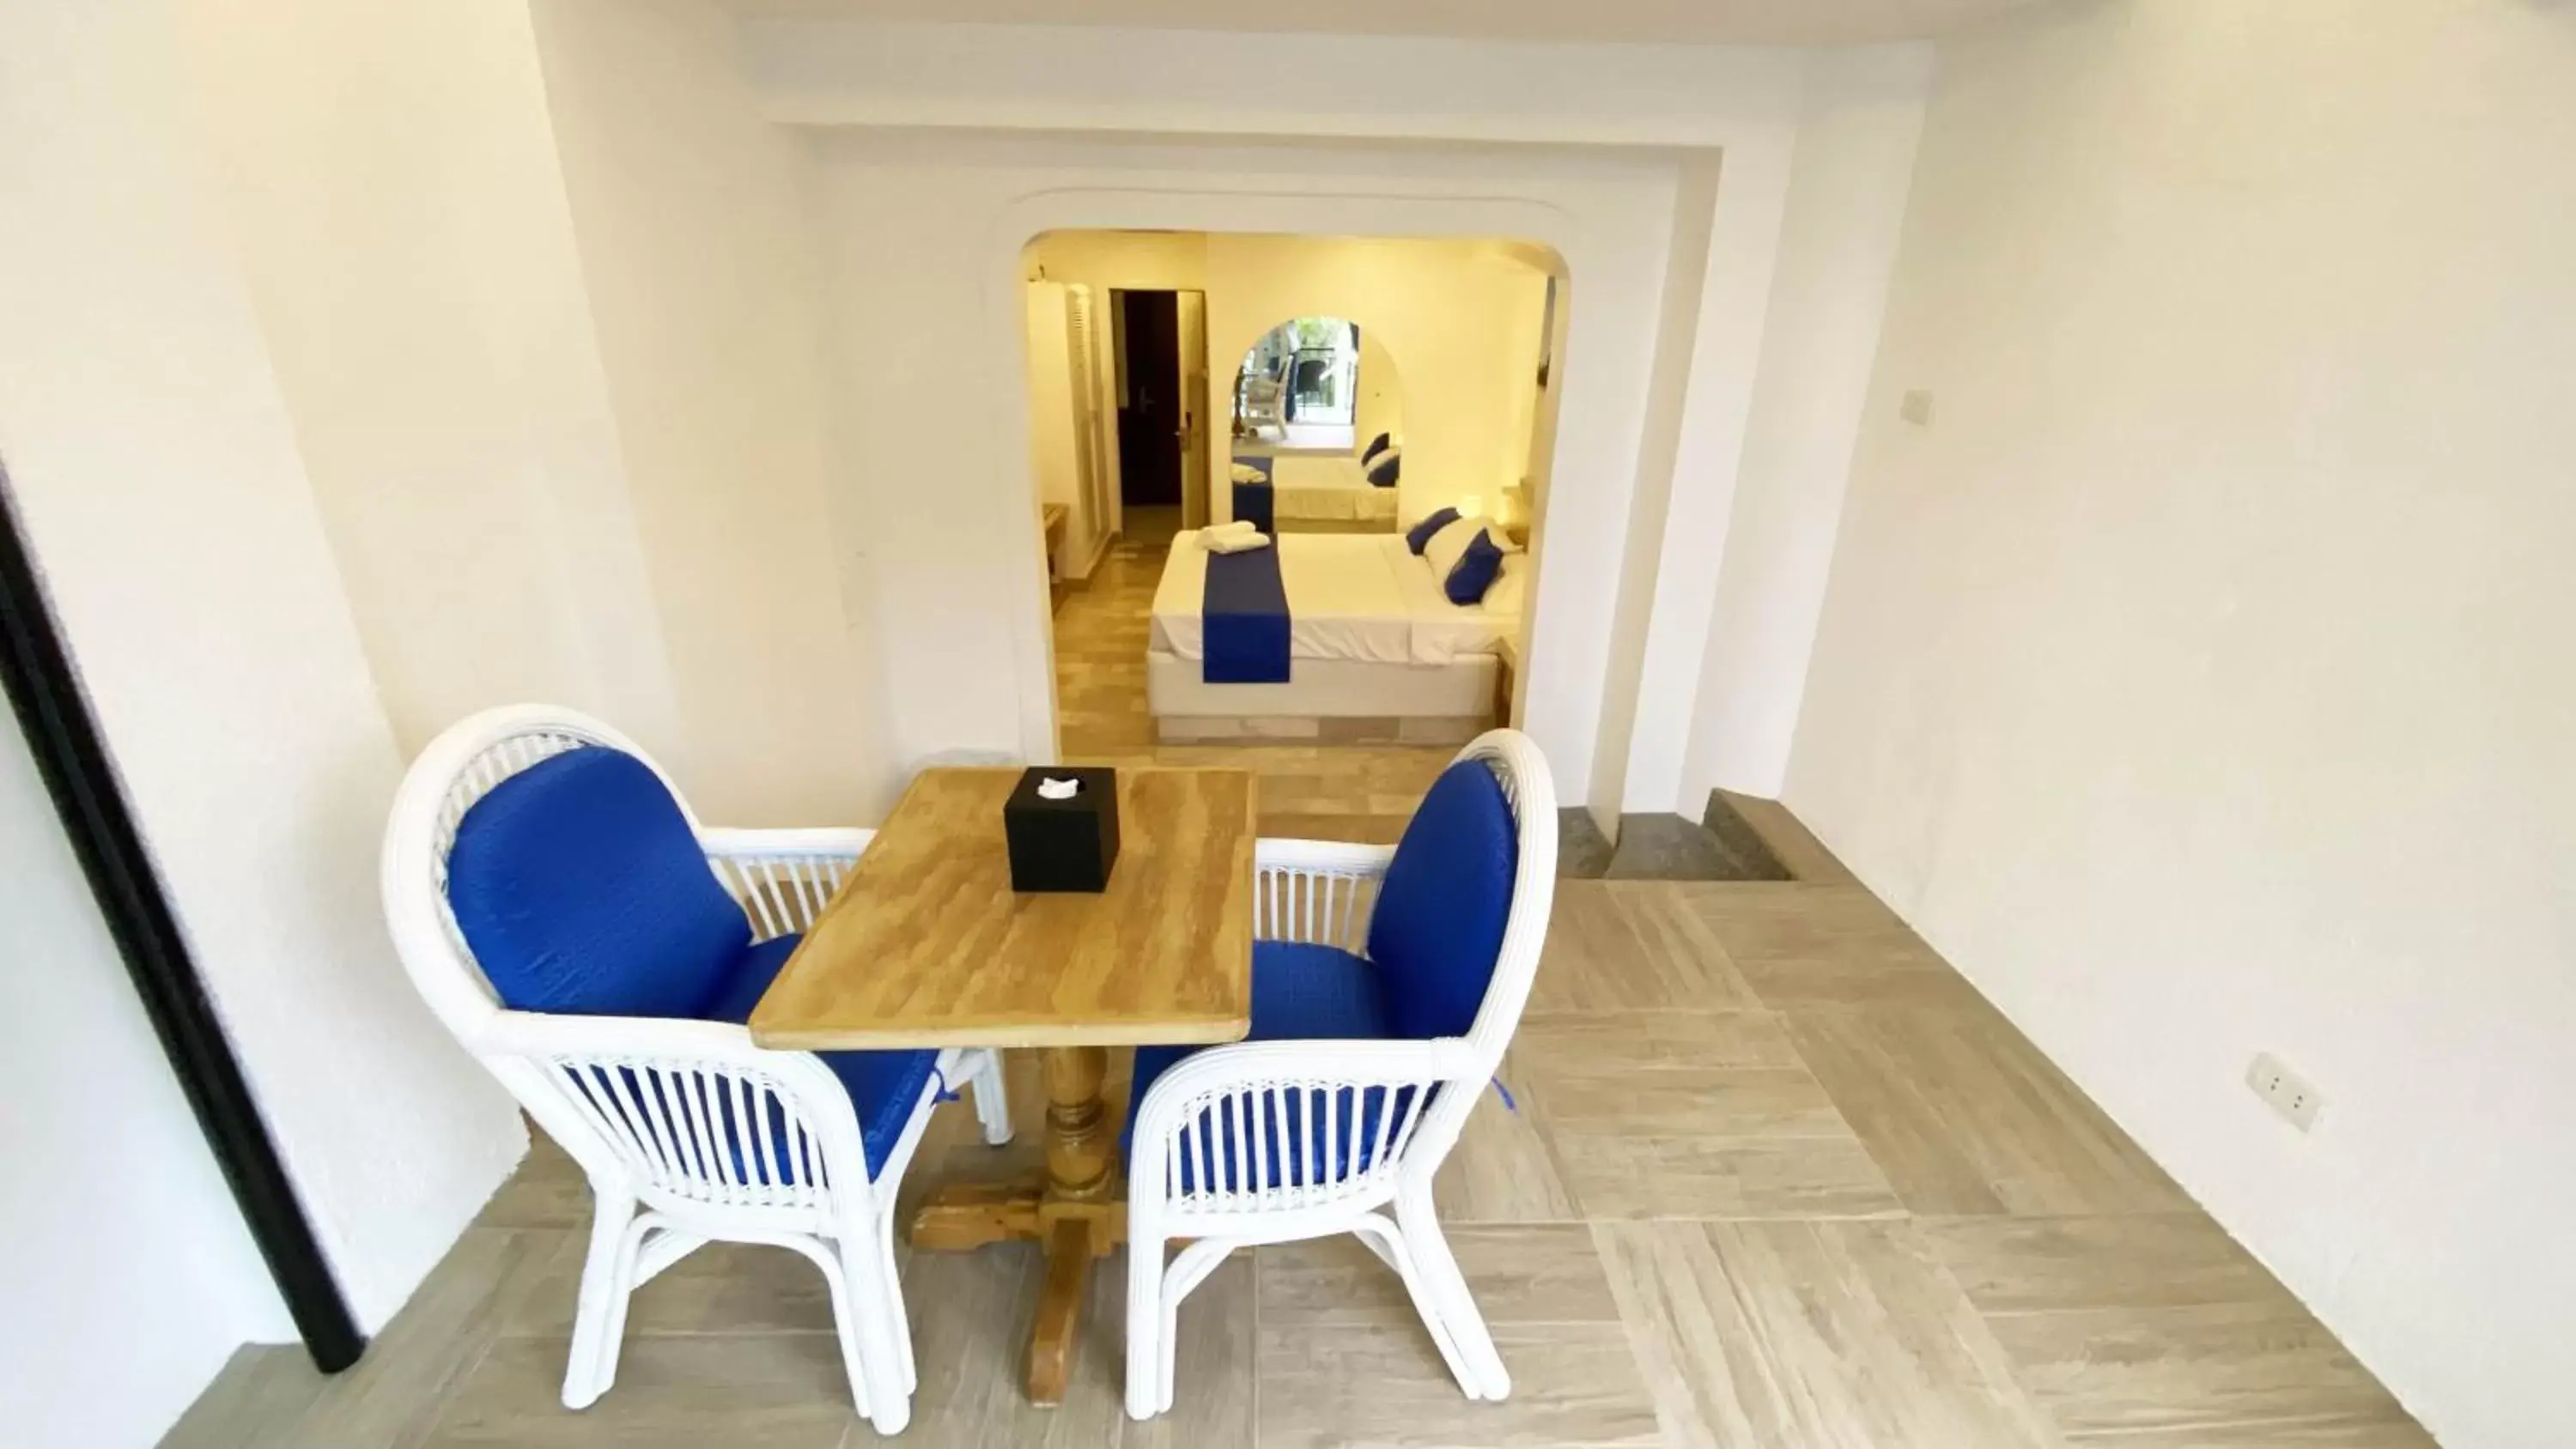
(1072, 1210)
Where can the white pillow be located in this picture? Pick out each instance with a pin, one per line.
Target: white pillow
(1446, 546)
(1503, 600)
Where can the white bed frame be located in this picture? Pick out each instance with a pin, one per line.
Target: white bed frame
(1343, 701)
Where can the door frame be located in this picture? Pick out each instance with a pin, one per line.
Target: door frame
(71, 757)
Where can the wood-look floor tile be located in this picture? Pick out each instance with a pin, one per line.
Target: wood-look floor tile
(2020, 1265)
(1663, 1177)
(1705, 1103)
(262, 1387)
(1612, 946)
(1969, 1119)
(1858, 981)
(547, 1191)
(2382, 1431)
(720, 1288)
(971, 1314)
(391, 1397)
(1810, 1336)
(1534, 1274)
(1792, 921)
(1574, 1386)
(683, 1391)
(1502, 1169)
(2121, 1369)
(1213, 1375)
(1630, 1040)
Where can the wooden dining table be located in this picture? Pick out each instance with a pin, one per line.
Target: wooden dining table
(926, 945)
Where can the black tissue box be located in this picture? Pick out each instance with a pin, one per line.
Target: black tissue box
(1063, 845)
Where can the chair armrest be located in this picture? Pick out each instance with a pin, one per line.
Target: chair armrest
(1320, 857)
(835, 842)
(1321, 891)
(651, 1080)
(1260, 1097)
(783, 878)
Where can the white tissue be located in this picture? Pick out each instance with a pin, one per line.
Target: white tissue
(1052, 788)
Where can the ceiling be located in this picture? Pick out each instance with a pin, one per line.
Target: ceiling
(1726, 22)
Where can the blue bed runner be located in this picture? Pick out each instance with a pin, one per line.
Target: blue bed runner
(1243, 619)
(1253, 502)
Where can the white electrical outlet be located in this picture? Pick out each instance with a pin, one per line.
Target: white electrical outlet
(2289, 1094)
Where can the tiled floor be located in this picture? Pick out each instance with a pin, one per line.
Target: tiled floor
(1777, 1177)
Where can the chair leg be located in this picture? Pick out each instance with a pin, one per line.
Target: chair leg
(1146, 1370)
(600, 1319)
(1382, 1238)
(894, 1295)
(992, 1099)
(1446, 1287)
(874, 1318)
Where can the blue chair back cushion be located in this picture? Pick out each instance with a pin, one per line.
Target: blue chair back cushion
(582, 891)
(1441, 910)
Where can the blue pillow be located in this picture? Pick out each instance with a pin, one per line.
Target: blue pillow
(1377, 445)
(1418, 537)
(581, 890)
(1475, 570)
(1388, 469)
(1440, 912)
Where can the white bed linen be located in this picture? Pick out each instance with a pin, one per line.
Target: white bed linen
(1444, 632)
(1326, 489)
(1357, 596)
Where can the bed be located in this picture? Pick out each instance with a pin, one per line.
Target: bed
(1374, 651)
(1313, 492)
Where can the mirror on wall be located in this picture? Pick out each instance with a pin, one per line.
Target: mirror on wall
(1306, 386)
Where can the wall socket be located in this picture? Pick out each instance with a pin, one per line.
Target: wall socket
(2288, 1093)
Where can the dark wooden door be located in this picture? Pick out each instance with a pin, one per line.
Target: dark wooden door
(1149, 419)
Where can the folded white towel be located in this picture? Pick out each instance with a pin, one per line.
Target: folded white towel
(1234, 527)
(1216, 540)
(1246, 473)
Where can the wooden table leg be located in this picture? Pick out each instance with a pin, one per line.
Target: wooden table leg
(1059, 1311)
(1074, 1210)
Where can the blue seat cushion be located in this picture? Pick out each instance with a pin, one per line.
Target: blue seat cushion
(1300, 992)
(582, 891)
(883, 1086)
(1438, 926)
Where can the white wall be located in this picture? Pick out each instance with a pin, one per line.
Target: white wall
(1616, 105)
(411, 258)
(1107, 261)
(128, 1273)
(154, 466)
(692, 216)
(969, 671)
(2197, 681)
(1053, 454)
(1845, 209)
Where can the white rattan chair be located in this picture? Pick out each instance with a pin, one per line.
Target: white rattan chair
(664, 1115)
(1273, 1140)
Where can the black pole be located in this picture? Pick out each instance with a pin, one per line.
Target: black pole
(64, 738)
